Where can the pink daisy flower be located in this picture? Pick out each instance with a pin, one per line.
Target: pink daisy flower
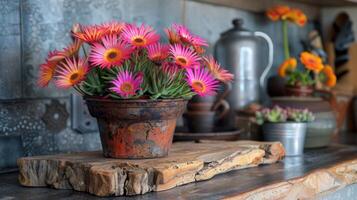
(172, 36)
(183, 32)
(201, 81)
(219, 73)
(184, 56)
(48, 69)
(126, 84)
(112, 52)
(140, 36)
(89, 34)
(71, 50)
(158, 52)
(71, 72)
(186, 36)
(46, 73)
(112, 28)
(198, 41)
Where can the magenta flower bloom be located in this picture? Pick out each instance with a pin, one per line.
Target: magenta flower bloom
(113, 52)
(184, 56)
(201, 81)
(126, 84)
(183, 32)
(140, 36)
(158, 52)
(186, 36)
(112, 28)
(217, 71)
(71, 72)
(198, 41)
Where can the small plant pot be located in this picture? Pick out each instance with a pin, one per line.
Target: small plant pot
(299, 91)
(136, 128)
(290, 134)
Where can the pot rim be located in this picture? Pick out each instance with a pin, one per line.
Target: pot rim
(101, 99)
(305, 87)
(290, 122)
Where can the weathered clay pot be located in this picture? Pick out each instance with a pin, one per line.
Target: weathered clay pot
(136, 128)
(299, 91)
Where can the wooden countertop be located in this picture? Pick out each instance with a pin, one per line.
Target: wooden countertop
(319, 170)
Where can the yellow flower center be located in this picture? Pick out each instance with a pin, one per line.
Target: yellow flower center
(199, 86)
(138, 41)
(181, 60)
(112, 55)
(126, 87)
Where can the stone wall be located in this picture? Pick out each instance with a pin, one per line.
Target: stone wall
(40, 118)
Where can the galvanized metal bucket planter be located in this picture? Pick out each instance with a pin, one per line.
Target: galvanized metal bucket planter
(320, 131)
(290, 134)
(140, 128)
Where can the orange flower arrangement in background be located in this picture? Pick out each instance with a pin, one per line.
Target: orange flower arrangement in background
(296, 16)
(286, 66)
(281, 12)
(311, 61)
(313, 64)
(277, 12)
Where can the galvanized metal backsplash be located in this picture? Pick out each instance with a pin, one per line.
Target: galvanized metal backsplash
(30, 28)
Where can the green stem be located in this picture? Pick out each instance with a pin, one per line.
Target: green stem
(84, 51)
(286, 39)
(78, 90)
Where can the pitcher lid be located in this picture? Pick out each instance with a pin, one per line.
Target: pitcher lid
(237, 27)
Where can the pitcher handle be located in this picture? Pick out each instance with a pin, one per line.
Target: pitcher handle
(270, 59)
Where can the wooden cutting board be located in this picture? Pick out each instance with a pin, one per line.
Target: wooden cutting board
(188, 162)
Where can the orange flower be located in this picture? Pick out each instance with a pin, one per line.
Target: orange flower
(217, 71)
(277, 12)
(296, 16)
(285, 13)
(90, 34)
(112, 28)
(311, 61)
(199, 49)
(329, 76)
(288, 65)
(46, 73)
(174, 38)
(281, 10)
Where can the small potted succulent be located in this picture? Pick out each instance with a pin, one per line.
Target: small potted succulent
(135, 85)
(285, 125)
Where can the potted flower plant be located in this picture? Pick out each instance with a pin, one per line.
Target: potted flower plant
(299, 81)
(133, 84)
(285, 125)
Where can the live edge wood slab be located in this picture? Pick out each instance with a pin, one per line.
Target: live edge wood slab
(188, 162)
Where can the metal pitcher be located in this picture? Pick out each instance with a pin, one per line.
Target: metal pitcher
(238, 49)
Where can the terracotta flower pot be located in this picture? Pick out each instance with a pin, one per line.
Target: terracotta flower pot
(136, 128)
(299, 91)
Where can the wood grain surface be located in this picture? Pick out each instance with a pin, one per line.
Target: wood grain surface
(188, 162)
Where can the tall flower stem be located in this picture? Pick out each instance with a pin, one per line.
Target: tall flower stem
(286, 39)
